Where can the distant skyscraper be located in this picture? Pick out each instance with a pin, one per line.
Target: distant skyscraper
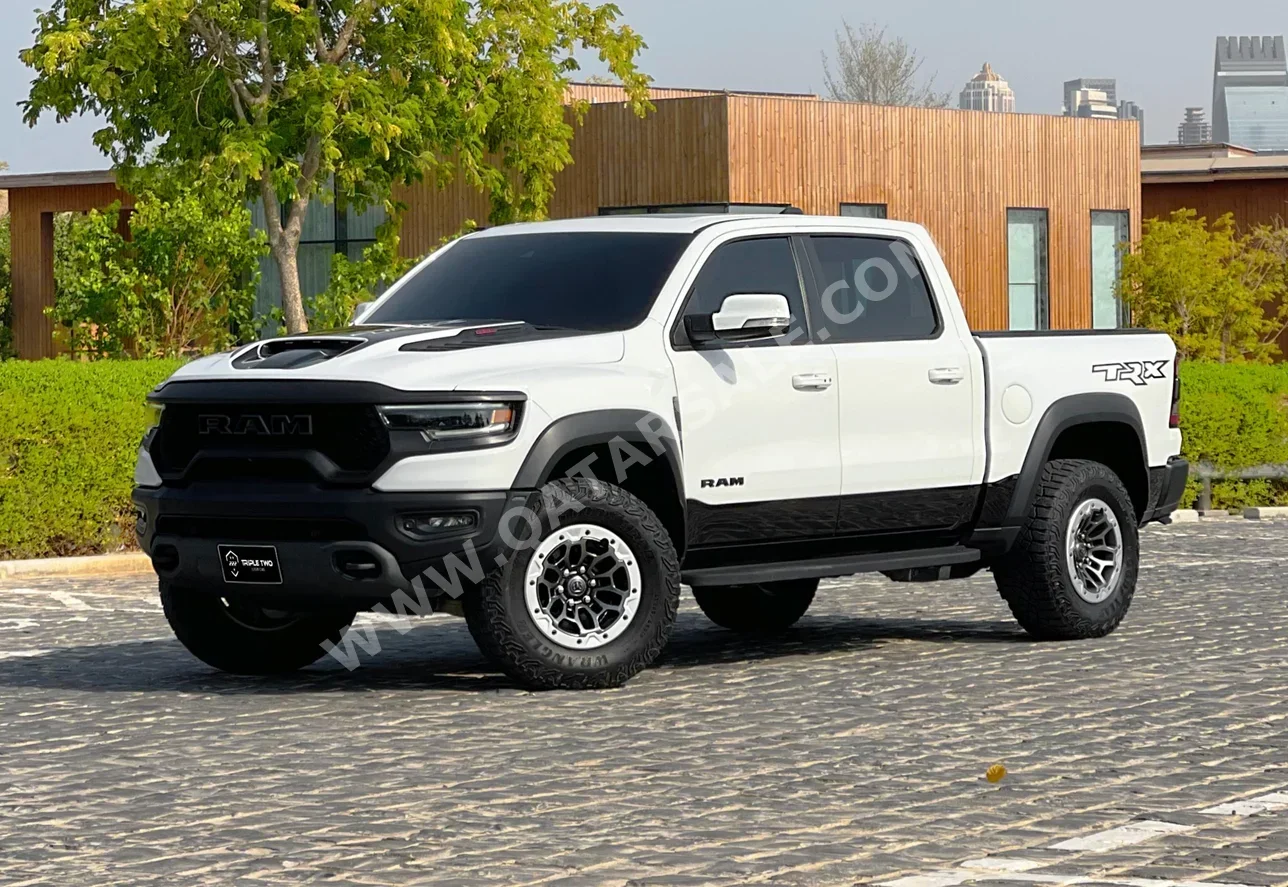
(1250, 93)
(1097, 97)
(1133, 111)
(1107, 85)
(1195, 129)
(1094, 103)
(987, 91)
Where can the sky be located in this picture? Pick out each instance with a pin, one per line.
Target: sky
(1160, 51)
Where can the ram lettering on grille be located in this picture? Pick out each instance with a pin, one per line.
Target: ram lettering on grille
(275, 426)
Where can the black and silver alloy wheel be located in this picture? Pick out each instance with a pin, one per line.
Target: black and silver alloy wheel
(1072, 572)
(583, 587)
(1094, 546)
(582, 606)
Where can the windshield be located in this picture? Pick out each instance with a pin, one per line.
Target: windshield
(604, 280)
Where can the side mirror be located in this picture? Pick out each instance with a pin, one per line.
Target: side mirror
(743, 317)
(359, 311)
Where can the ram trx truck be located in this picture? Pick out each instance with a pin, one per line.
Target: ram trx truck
(548, 428)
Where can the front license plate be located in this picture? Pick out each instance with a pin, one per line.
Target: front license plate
(250, 564)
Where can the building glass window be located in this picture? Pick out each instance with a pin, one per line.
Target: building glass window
(701, 209)
(864, 210)
(1026, 243)
(1258, 117)
(329, 228)
(1109, 232)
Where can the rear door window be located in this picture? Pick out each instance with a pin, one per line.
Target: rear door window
(869, 289)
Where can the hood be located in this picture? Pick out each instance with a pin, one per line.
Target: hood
(413, 358)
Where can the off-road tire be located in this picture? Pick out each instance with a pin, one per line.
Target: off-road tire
(763, 609)
(498, 617)
(203, 623)
(1033, 578)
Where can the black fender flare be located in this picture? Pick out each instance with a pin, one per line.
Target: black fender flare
(1065, 413)
(647, 432)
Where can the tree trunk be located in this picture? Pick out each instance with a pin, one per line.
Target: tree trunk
(286, 255)
(284, 244)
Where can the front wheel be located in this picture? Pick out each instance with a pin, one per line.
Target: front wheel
(241, 637)
(589, 600)
(1072, 572)
(766, 608)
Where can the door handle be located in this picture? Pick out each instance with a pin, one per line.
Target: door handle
(812, 382)
(946, 375)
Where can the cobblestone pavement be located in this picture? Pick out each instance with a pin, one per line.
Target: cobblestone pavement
(852, 750)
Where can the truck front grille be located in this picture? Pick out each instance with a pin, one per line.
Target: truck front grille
(349, 435)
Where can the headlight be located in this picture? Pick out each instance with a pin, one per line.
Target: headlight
(154, 423)
(457, 421)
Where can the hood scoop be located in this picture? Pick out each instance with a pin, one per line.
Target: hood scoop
(294, 353)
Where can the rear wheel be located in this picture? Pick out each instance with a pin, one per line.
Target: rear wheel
(1072, 572)
(242, 637)
(766, 608)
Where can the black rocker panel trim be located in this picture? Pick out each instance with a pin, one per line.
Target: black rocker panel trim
(743, 523)
(1066, 413)
(896, 512)
(597, 428)
(997, 500)
(796, 529)
(946, 508)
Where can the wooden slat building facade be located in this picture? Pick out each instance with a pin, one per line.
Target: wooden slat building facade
(957, 172)
(1214, 180)
(32, 208)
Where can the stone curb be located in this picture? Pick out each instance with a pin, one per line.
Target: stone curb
(95, 565)
(1265, 513)
(1191, 516)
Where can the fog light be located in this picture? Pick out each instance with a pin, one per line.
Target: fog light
(424, 526)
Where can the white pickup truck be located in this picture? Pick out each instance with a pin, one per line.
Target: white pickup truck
(548, 428)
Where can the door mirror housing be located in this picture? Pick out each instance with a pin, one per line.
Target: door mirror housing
(742, 317)
(360, 310)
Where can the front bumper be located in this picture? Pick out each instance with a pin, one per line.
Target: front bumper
(319, 533)
(1166, 486)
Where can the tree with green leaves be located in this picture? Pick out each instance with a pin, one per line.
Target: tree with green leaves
(1218, 293)
(298, 101)
(183, 282)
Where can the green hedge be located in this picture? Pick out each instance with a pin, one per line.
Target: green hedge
(1235, 416)
(69, 435)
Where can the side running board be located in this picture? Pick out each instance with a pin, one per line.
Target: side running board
(832, 567)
